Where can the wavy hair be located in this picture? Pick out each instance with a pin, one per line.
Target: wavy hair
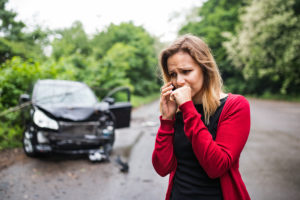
(200, 52)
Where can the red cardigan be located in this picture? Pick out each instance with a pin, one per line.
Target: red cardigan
(219, 158)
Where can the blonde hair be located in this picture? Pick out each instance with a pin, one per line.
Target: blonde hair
(200, 52)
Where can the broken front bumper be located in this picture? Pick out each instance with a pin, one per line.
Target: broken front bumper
(64, 143)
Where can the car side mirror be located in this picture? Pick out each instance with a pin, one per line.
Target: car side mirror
(109, 100)
(24, 98)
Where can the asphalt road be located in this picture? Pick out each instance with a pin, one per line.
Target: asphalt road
(269, 163)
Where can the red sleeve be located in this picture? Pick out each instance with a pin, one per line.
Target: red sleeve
(163, 158)
(216, 157)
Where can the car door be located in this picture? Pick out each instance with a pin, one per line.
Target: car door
(120, 106)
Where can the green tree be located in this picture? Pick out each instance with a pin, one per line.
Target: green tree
(71, 40)
(14, 41)
(267, 45)
(9, 27)
(110, 71)
(142, 60)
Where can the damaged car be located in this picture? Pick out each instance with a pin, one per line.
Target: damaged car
(66, 117)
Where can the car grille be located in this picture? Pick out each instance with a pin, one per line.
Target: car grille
(78, 128)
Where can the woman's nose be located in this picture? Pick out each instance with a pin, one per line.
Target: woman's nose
(180, 81)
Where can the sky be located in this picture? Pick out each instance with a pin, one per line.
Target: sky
(158, 17)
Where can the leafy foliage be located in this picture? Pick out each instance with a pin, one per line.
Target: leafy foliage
(16, 77)
(9, 27)
(71, 40)
(266, 47)
(15, 42)
(141, 58)
(111, 70)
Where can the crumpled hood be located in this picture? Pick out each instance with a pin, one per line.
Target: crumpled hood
(69, 113)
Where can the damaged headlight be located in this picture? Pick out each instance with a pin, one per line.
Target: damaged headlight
(43, 121)
(108, 130)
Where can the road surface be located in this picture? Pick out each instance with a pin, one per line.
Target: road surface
(270, 162)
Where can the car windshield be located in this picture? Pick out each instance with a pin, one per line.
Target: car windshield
(64, 94)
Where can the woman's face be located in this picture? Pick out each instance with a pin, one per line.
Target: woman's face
(183, 70)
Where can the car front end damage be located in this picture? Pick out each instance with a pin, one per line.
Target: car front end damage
(66, 117)
(49, 135)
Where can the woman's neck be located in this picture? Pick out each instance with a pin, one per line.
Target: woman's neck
(197, 99)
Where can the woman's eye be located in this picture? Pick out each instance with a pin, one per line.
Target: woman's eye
(172, 75)
(186, 71)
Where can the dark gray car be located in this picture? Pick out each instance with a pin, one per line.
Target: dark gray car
(66, 117)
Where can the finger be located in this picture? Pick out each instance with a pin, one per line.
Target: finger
(165, 85)
(169, 88)
(166, 93)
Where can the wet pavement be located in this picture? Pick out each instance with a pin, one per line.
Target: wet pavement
(269, 163)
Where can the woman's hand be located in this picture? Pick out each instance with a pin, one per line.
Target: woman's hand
(182, 95)
(168, 107)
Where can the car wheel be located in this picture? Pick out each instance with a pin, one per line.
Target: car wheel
(28, 145)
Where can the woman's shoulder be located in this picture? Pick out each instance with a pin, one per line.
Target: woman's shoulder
(235, 105)
(236, 100)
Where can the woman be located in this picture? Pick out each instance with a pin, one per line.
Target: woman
(203, 130)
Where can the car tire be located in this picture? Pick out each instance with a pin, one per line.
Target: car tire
(28, 144)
